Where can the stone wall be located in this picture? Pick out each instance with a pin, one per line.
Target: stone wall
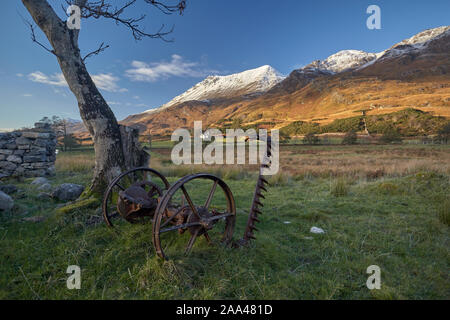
(28, 153)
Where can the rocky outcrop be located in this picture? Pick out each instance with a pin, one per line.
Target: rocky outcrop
(67, 192)
(8, 188)
(39, 181)
(28, 152)
(6, 202)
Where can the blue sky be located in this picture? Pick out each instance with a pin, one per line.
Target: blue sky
(212, 37)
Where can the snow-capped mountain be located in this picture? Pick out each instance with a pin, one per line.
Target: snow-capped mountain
(262, 79)
(413, 72)
(416, 43)
(342, 61)
(250, 82)
(421, 39)
(355, 59)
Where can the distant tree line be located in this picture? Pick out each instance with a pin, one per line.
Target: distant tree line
(66, 141)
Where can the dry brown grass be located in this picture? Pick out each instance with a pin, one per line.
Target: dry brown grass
(161, 162)
(364, 161)
(359, 161)
(75, 161)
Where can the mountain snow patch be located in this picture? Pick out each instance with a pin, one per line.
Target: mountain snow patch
(252, 81)
(421, 39)
(417, 42)
(346, 60)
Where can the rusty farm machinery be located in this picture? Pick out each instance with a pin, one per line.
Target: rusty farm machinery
(143, 195)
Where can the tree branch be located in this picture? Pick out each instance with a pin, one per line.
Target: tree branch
(96, 52)
(33, 37)
(168, 9)
(47, 20)
(103, 9)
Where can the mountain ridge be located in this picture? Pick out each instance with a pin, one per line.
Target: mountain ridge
(411, 73)
(248, 82)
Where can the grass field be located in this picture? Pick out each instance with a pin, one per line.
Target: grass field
(379, 205)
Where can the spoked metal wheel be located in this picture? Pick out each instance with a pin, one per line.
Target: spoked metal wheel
(153, 182)
(180, 219)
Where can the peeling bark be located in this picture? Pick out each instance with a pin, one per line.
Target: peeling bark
(110, 159)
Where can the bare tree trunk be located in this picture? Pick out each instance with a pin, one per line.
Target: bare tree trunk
(135, 156)
(95, 112)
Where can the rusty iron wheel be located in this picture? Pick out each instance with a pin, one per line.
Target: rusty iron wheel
(200, 219)
(125, 180)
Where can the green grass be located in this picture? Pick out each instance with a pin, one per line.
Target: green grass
(444, 212)
(340, 187)
(393, 223)
(408, 122)
(166, 143)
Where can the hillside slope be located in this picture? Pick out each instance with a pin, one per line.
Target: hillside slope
(413, 73)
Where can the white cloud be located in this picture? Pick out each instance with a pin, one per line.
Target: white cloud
(27, 95)
(177, 67)
(103, 81)
(107, 82)
(61, 92)
(20, 75)
(56, 79)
